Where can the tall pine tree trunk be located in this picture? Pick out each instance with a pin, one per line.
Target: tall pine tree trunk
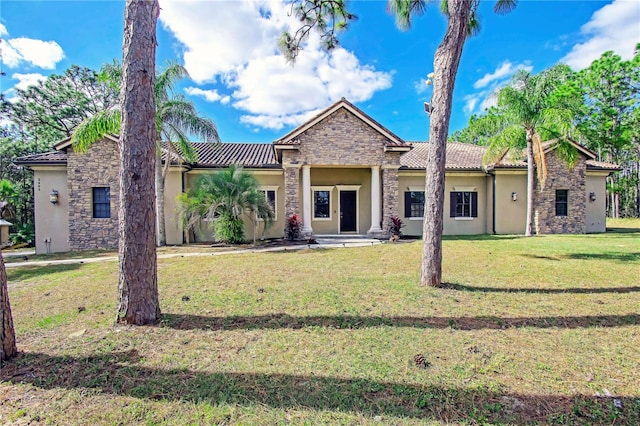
(137, 272)
(446, 61)
(162, 230)
(7, 333)
(531, 185)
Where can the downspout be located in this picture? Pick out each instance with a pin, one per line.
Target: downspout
(493, 199)
(184, 236)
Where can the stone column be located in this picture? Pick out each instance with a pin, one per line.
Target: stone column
(390, 191)
(306, 200)
(291, 190)
(375, 201)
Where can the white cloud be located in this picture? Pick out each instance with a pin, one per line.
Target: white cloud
(491, 83)
(615, 27)
(26, 80)
(505, 70)
(39, 53)
(422, 86)
(208, 95)
(3, 30)
(234, 44)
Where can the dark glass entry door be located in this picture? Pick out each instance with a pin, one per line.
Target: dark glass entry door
(348, 211)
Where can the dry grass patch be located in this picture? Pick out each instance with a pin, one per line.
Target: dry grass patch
(527, 330)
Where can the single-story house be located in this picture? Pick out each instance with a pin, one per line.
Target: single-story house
(342, 172)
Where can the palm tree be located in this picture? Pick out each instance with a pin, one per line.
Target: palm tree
(176, 119)
(530, 111)
(222, 199)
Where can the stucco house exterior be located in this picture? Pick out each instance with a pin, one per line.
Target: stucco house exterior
(341, 172)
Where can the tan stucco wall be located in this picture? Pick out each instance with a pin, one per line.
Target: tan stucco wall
(172, 188)
(459, 182)
(51, 221)
(406, 180)
(267, 179)
(454, 181)
(596, 183)
(511, 215)
(4, 235)
(335, 178)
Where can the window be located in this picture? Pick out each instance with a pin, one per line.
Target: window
(270, 195)
(414, 204)
(101, 202)
(562, 202)
(322, 204)
(463, 204)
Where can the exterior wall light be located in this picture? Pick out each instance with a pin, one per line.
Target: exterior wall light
(53, 197)
(514, 196)
(592, 196)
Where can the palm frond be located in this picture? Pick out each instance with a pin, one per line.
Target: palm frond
(502, 7)
(404, 10)
(95, 128)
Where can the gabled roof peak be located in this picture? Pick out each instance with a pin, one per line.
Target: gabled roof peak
(291, 138)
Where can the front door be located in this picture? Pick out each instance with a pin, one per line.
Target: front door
(348, 211)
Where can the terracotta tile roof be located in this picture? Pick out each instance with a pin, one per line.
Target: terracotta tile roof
(460, 156)
(245, 154)
(593, 164)
(53, 157)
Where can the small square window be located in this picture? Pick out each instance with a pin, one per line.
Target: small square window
(101, 202)
(463, 204)
(562, 202)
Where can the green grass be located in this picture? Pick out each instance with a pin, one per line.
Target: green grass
(527, 331)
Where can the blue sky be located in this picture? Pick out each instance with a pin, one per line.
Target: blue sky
(240, 81)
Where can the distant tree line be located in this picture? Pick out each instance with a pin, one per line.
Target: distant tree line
(598, 107)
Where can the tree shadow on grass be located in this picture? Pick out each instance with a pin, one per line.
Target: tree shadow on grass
(281, 320)
(28, 272)
(622, 257)
(577, 290)
(122, 373)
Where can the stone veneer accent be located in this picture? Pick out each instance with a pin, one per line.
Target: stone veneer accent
(96, 167)
(342, 139)
(389, 196)
(560, 177)
(291, 191)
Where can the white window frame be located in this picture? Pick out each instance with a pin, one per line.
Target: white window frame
(274, 188)
(315, 189)
(415, 189)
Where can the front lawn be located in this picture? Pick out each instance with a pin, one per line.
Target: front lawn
(539, 330)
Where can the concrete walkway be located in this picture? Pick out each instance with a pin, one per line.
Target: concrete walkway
(322, 243)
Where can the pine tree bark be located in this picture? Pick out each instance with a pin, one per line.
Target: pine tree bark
(446, 61)
(137, 272)
(8, 347)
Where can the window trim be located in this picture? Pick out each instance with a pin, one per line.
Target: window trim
(274, 188)
(315, 189)
(94, 203)
(453, 204)
(565, 202)
(407, 214)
